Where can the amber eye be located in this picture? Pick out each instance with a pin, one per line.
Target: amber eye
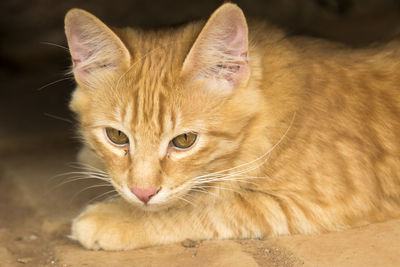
(117, 137)
(185, 140)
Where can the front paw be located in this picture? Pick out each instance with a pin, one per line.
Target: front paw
(97, 228)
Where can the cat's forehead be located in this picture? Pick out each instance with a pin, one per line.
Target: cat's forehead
(148, 91)
(157, 55)
(146, 110)
(149, 97)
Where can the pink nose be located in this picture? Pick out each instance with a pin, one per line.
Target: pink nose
(144, 194)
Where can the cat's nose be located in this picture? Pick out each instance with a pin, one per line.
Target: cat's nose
(144, 194)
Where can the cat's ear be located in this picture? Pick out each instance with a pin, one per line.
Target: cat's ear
(220, 52)
(94, 47)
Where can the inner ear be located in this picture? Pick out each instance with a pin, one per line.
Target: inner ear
(93, 46)
(220, 52)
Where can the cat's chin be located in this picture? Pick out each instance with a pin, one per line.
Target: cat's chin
(155, 207)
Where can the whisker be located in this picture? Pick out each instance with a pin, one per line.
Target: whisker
(112, 197)
(56, 45)
(199, 189)
(79, 178)
(101, 195)
(78, 137)
(240, 176)
(74, 179)
(233, 179)
(240, 171)
(188, 201)
(85, 166)
(87, 188)
(262, 156)
(235, 174)
(220, 187)
(57, 117)
(83, 174)
(57, 81)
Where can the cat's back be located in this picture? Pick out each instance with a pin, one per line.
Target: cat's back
(344, 138)
(328, 79)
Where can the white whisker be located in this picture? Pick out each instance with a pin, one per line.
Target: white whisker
(112, 196)
(57, 81)
(262, 156)
(84, 166)
(239, 172)
(219, 187)
(200, 190)
(233, 179)
(87, 188)
(57, 117)
(56, 45)
(80, 178)
(188, 201)
(101, 195)
(234, 174)
(87, 173)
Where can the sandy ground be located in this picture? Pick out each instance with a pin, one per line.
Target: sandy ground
(36, 214)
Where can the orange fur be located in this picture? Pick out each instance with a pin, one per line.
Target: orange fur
(296, 135)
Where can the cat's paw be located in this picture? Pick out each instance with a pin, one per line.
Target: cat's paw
(97, 229)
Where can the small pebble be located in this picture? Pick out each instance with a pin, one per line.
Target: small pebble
(188, 243)
(33, 237)
(24, 260)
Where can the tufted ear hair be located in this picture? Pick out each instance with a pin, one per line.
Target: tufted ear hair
(220, 52)
(94, 47)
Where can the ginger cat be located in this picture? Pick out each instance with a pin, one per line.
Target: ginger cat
(228, 129)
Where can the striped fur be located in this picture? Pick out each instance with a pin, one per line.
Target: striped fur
(306, 141)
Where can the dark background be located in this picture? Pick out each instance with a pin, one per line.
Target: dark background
(34, 88)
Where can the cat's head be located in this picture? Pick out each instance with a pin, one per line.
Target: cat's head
(163, 110)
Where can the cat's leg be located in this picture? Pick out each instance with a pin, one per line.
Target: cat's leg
(116, 225)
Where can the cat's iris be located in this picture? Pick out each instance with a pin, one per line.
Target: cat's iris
(184, 141)
(116, 137)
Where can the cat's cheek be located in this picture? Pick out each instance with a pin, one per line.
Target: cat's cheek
(89, 157)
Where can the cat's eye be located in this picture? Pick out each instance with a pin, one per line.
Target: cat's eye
(184, 141)
(117, 137)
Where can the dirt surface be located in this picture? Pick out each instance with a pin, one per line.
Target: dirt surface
(36, 208)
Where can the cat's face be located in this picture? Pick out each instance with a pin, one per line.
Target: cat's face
(162, 113)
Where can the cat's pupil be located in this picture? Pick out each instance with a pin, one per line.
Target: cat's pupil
(116, 137)
(185, 140)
